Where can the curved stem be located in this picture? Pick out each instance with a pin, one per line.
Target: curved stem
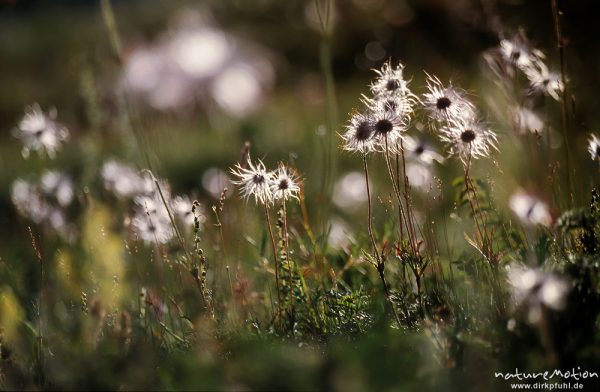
(268, 219)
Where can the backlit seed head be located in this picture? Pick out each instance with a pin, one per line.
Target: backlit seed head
(443, 103)
(384, 126)
(389, 128)
(284, 184)
(359, 134)
(254, 181)
(470, 139)
(446, 103)
(467, 136)
(390, 86)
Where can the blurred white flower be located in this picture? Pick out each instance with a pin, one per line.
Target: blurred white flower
(594, 147)
(527, 120)
(238, 89)
(419, 176)
(518, 52)
(58, 186)
(144, 69)
(339, 234)
(214, 181)
(350, 191)
(45, 202)
(200, 52)
(174, 90)
(534, 289)
(152, 228)
(40, 132)
(151, 220)
(195, 61)
(182, 211)
(28, 200)
(123, 180)
(543, 81)
(421, 151)
(530, 210)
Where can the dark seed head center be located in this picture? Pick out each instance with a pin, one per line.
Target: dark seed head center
(392, 85)
(284, 184)
(419, 150)
(363, 131)
(443, 103)
(467, 136)
(384, 126)
(258, 179)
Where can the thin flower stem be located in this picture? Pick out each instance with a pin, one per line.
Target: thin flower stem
(561, 53)
(325, 62)
(381, 271)
(471, 197)
(398, 181)
(407, 196)
(485, 239)
(40, 333)
(379, 260)
(268, 219)
(222, 238)
(370, 225)
(399, 198)
(287, 255)
(417, 257)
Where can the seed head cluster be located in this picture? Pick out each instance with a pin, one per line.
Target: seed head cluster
(265, 186)
(384, 124)
(380, 126)
(517, 54)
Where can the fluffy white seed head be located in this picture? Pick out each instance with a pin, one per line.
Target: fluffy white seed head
(284, 184)
(254, 181)
(469, 139)
(358, 136)
(388, 129)
(446, 103)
